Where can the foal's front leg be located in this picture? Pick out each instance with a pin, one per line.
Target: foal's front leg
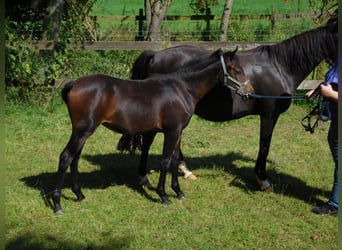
(170, 158)
(174, 169)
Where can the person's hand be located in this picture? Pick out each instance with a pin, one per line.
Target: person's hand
(328, 92)
(309, 93)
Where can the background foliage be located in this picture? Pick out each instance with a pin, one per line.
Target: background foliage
(31, 75)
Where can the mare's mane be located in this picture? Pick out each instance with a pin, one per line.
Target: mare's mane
(305, 50)
(197, 63)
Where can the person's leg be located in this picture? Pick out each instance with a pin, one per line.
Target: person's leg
(331, 207)
(333, 143)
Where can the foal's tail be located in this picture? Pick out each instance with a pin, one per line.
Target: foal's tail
(131, 143)
(66, 89)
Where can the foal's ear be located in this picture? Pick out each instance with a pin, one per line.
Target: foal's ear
(234, 52)
(231, 54)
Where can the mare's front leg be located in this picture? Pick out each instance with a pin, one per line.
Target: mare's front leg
(169, 159)
(267, 125)
(147, 141)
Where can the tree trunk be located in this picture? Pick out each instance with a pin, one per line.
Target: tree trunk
(148, 13)
(225, 20)
(158, 13)
(52, 20)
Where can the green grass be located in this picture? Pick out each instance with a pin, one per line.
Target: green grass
(223, 209)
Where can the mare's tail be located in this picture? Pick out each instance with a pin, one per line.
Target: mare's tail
(131, 143)
(66, 89)
(139, 70)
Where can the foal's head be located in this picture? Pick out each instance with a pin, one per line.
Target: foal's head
(234, 76)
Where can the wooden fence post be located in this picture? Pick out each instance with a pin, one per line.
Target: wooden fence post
(141, 19)
(273, 19)
(206, 35)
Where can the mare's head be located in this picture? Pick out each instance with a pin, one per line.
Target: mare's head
(233, 75)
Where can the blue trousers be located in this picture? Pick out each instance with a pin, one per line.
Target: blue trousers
(333, 144)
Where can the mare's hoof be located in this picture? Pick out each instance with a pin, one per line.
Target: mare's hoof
(265, 185)
(268, 189)
(181, 197)
(191, 177)
(58, 212)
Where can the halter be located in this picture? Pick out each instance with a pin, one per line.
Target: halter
(241, 90)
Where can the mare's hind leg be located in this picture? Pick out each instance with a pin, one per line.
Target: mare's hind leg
(183, 169)
(70, 155)
(147, 141)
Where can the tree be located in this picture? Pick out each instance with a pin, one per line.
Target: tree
(155, 13)
(225, 20)
(56, 20)
(325, 10)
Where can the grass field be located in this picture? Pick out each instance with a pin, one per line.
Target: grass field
(223, 209)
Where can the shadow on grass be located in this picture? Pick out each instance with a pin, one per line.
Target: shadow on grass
(30, 241)
(122, 169)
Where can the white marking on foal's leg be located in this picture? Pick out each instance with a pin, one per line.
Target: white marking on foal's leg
(185, 171)
(265, 185)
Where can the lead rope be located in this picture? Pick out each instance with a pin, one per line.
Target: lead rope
(321, 111)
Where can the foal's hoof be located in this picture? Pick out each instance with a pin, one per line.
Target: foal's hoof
(166, 201)
(80, 198)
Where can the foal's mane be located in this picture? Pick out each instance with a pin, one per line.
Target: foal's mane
(198, 63)
(305, 50)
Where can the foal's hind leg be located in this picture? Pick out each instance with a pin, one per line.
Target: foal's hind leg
(69, 156)
(183, 169)
(76, 188)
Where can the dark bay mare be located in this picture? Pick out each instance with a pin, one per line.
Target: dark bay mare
(273, 70)
(161, 103)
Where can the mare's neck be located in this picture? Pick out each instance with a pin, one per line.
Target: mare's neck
(299, 55)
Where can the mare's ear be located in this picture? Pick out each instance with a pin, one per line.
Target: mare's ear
(218, 53)
(333, 27)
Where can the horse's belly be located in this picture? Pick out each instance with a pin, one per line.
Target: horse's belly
(220, 105)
